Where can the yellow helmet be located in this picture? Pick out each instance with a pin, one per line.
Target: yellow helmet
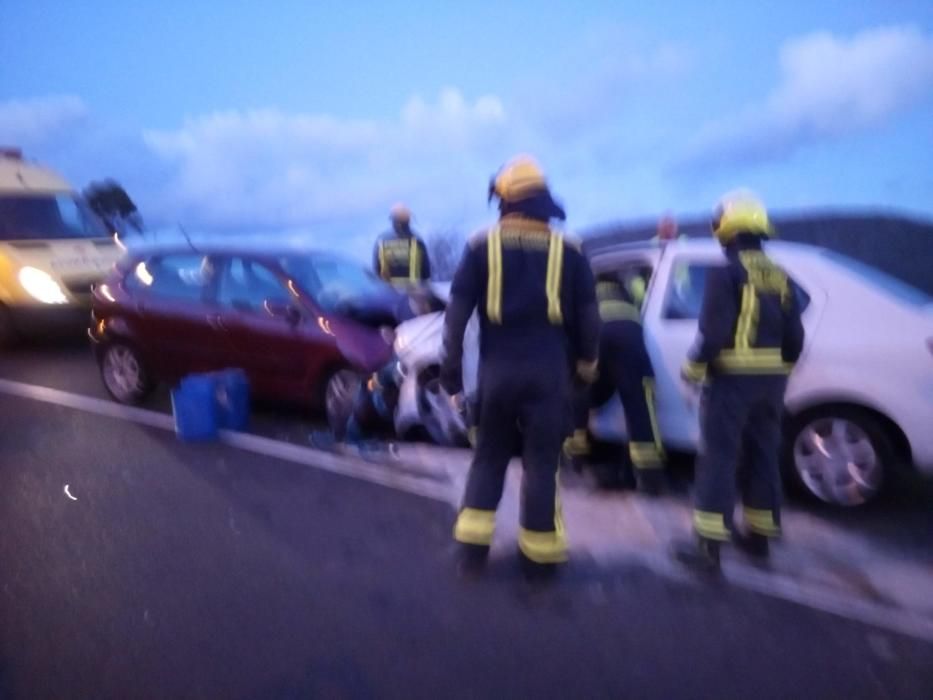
(400, 213)
(740, 211)
(517, 179)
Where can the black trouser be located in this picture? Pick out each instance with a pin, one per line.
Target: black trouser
(625, 367)
(520, 407)
(740, 425)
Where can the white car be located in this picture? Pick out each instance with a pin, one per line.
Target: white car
(859, 403)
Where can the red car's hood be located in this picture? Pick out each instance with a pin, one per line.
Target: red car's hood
(366, 349)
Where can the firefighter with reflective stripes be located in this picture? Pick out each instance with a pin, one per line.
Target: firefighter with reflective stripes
(538, 325)
(750, 336)
(400, 257)
(625, 367)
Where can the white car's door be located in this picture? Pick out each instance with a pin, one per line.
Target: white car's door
(670, 323)
(670, 318)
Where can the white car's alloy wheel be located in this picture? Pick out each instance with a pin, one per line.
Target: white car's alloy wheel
(838, 461)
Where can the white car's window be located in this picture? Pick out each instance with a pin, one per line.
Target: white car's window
(684, 295)
(635, 275)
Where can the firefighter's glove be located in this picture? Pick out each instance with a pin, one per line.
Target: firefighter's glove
(692, 378)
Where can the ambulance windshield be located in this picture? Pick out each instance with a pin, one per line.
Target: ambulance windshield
(47, 216)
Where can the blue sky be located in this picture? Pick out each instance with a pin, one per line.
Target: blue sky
(300, 115)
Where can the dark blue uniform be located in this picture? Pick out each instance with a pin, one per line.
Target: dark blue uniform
(750, 335)
(401, 259)
(538, 318)
(625, 367)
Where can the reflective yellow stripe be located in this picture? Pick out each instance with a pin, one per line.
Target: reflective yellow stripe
(544, 547)
(472, 434)
(761, 521)
(710, 525)
(644, 455)
(746, 327)
(383, 263)
(494, 282)
(753, 361)
(695, 371)
(614, 310)
(475, 526)
(578, 444)
(414, 260)
(648, 384)
(555, 265)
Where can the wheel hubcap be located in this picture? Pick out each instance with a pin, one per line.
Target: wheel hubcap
(837, 461)
(122, 373)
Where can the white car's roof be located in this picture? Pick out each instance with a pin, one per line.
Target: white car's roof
(704, 245)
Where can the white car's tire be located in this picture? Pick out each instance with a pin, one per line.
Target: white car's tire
(839, 455)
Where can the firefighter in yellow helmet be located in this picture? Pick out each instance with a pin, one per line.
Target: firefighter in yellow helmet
(539, 326)
(750, 336)
(400, 257)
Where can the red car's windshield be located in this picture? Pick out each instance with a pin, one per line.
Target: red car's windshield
(335, 282)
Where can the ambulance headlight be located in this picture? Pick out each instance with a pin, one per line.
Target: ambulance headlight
(40, 285)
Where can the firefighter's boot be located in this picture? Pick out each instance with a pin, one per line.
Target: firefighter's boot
(699, 554)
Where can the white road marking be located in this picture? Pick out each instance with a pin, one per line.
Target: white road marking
(447, 490)
(337, 464)
(68, 493)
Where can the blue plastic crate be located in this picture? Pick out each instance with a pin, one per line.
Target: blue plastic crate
(194, 405)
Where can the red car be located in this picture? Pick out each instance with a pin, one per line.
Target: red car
(303, 325)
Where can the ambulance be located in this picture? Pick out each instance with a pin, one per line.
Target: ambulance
(53, 248)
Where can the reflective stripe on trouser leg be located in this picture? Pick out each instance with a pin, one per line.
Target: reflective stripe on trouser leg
(495, 440)
(542, 538)
(722, 416)
(761, 521)
(710, 525)
(475, 526)
(546, 547)
(759, 470)
(648, 384)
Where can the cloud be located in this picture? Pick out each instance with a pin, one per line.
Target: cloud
(274, 169)
(829, 87)
(32, 122)
(610, 71)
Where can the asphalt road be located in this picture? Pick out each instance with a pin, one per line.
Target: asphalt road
(206, 572)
